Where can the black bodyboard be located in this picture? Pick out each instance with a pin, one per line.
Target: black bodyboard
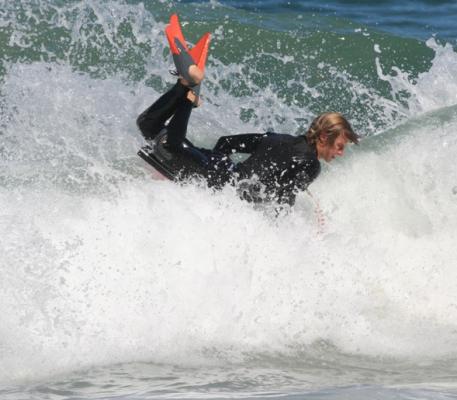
(147, 154)
(172, 165)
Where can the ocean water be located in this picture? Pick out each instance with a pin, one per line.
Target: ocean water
(114, 285)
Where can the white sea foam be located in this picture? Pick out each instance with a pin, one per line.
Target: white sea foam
(101, 264)
(433, 89)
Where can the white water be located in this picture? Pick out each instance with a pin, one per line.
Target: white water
(431, 90)
(100, 264)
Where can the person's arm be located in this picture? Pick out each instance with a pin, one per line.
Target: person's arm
(244, 143)
(305, 171)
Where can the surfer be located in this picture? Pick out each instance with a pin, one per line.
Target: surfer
(278, 165)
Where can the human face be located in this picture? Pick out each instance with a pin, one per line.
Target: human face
(328, 151)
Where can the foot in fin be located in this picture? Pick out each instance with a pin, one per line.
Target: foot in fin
(190, 64)
(200, 53)
(186, 66)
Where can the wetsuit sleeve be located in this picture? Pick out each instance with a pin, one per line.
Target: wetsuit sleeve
(244, 143)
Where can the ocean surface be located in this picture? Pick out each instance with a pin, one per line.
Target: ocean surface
(114, 285)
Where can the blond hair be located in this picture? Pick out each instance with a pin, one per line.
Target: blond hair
(332, 125)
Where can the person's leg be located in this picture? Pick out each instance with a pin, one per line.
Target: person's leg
(153, 119)
(194, 161)
(177, 127)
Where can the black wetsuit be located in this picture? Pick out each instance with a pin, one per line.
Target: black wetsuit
(278, 165)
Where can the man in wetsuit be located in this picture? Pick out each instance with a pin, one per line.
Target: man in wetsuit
(278, 166)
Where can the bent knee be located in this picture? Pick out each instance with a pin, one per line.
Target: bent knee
(147, 128)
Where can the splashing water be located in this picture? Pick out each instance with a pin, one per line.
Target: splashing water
(103, 265)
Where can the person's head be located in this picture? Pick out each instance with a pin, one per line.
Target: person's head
(330, 132)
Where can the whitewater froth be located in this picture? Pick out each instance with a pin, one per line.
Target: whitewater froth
(430, 90)
(102, 264)
(135, 269)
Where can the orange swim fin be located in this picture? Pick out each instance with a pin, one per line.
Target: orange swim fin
(173, 31)
(182, 56)
(200, 51)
